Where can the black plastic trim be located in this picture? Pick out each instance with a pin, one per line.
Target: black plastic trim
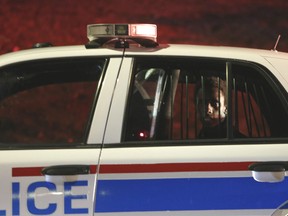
(198, 142)
(19, 147)
(61, 170)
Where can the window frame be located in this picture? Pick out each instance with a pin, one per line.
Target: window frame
(273, 82)
(86, 130)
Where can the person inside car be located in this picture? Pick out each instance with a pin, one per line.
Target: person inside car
(212, 108)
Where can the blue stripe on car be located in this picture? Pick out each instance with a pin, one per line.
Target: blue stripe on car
(188, 194)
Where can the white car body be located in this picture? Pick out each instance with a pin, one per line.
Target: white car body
(141, 178)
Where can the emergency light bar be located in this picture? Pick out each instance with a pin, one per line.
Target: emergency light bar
(130, 31)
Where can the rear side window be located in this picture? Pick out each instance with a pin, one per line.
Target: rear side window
(257, 110)
(193, 99)
(48, 101)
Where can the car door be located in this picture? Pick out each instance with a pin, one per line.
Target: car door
(168, 161)
(46, 110)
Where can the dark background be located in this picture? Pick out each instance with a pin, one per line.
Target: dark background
(244, 23)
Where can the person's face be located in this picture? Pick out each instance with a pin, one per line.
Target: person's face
(212, 109)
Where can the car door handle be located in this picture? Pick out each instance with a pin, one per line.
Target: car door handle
(273, 166)
(64, 170)
(269, 171)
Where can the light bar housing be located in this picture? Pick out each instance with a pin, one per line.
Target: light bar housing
(124, 31)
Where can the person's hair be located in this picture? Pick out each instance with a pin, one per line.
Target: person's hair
(212, 83)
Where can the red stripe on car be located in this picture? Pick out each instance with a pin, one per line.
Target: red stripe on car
(174, 167)
(36, 171)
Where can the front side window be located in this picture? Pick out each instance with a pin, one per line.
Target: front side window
(192, 99)
(48, 101)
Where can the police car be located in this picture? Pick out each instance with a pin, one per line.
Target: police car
(115, 127)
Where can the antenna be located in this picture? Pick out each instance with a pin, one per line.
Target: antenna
(276, 44)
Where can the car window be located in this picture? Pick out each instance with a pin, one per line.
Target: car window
(48, 101)
(257, 109)
(193, 99)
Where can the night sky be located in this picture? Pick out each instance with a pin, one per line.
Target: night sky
(243, 23)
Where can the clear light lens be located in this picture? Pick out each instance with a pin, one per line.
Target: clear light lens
(147, 31)
(101, 30)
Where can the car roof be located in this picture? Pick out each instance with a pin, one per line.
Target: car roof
(209, 51)
(55, 52)
(162, 50)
